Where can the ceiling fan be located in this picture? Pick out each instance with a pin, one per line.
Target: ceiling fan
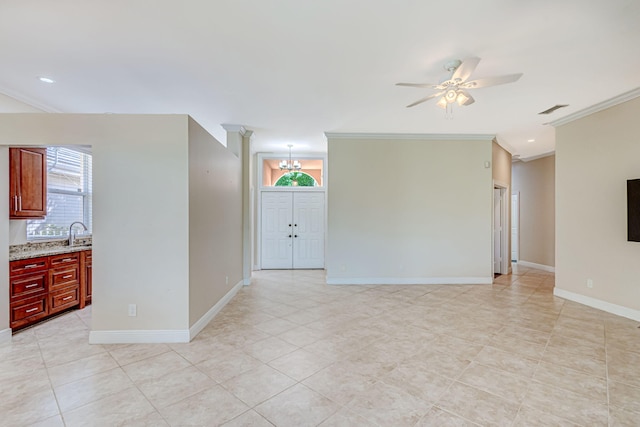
(456, 88)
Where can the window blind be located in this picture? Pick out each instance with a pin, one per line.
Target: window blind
(69, 193)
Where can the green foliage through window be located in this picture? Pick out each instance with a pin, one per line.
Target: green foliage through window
(293, 179)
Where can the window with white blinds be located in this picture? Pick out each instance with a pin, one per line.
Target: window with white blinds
(69, 194)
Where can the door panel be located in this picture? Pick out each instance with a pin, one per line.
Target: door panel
(292, 230)
(308, 220)
(276, 228)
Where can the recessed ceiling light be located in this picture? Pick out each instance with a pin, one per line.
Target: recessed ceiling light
(531, 140)
(46, 80)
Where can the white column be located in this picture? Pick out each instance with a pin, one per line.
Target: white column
(239, 142)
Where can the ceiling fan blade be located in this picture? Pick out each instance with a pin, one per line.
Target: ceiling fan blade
(465, 69)
(426, 98)
(491, 81)
(429, 85)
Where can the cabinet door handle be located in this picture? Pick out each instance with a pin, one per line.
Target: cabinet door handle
(15, 203)
(31, 310)
(67, 276)
(67, 298)
(30, 265)
(67, 260)
(19, 203)
(33, 285)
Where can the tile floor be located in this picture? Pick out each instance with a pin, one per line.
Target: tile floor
(292, 351)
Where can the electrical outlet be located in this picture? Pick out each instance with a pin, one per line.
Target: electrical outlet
(590, 283)
(133, 310)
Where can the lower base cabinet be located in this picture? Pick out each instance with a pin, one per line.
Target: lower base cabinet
(41, 287)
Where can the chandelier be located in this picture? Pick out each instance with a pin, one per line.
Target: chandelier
(290, 165)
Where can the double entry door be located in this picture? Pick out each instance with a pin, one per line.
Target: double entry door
(292, 229)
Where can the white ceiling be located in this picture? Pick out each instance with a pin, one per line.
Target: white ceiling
(291, 70)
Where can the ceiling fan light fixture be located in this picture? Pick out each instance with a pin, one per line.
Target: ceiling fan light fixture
(451, 95)
(442, 103)
(461, 99)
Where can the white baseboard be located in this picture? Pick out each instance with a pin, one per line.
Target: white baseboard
(139, 337)
(211, 313)
(599, 304)
(247, 281)
(409, 280)
(160, 336)
(542, 267)
(5, 336)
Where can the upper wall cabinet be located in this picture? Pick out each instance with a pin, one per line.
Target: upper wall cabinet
(27, 183)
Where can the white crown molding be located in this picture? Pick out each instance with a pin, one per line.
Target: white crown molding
(627, 96)
(618, 310)
(409, 280)
(29, 101)
(235, 128)
(412, 136)
(536, 157)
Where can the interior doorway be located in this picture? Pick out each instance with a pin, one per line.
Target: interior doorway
(515, 226)
(501, 255)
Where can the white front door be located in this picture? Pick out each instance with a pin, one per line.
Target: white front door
(308, 230)
(277, 230)
(292, 230)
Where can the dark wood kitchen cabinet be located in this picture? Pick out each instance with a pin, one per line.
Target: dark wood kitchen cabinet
(86, 269)
(29, 291)
(44, 286)
(27, 183)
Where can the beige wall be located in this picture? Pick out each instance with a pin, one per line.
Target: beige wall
(595, 156)
(426, 219)
(535, 182)
(501, 169)
(141, 215)
(11, 105)
(215, 221)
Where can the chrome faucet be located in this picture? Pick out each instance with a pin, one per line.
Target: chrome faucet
(71, 235)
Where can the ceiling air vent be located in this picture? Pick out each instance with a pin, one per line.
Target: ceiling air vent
(554, 108)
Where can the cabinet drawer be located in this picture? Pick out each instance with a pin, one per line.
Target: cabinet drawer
(64, 298)
(64, 259)
(63, 277)
(29, 285)
(25, 266)
(28, 310)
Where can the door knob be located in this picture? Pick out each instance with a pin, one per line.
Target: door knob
(289, 235)
(295, 235)
(289, 225)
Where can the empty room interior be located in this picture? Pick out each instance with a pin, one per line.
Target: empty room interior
(319, 214)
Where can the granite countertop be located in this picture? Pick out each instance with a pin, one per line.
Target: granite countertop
(47, 252)
(56, 247)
